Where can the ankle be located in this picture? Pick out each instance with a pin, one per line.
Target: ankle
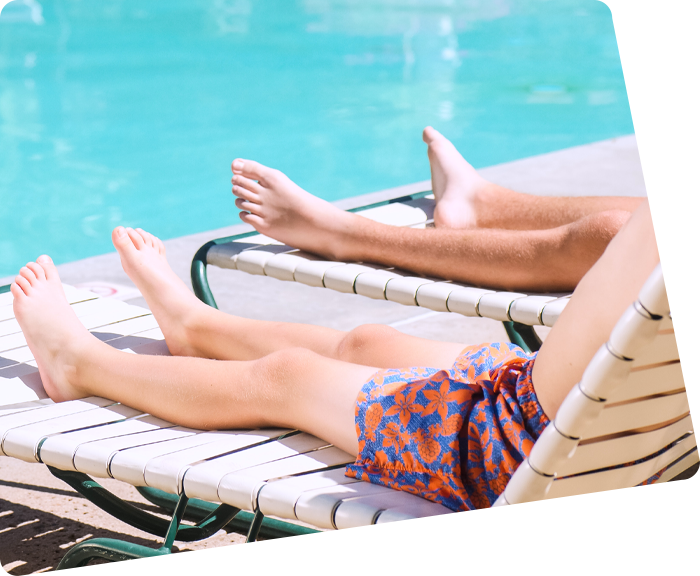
(487, 203)
(194, 324)
(76, 361)
(337, 236)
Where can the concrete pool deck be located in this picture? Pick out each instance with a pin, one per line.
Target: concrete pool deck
(40, 517)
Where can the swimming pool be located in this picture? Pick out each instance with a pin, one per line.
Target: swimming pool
(130, 112)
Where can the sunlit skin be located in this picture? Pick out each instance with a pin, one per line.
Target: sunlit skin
(232, 372)
(484, 234)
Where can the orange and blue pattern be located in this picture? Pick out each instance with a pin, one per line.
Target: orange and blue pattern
(453, 436)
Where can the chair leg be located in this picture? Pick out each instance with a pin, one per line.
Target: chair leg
(161, 561)
(139, 557)
(214, 520)
(523, 335)
(197, 510)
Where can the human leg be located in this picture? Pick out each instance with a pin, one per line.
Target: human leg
(548, 259)
(534, 260)
(466, 200)
(292, 388)
(193, 329)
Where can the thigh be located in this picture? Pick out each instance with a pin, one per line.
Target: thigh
(598, 302)
(614, 281)
(315, 394)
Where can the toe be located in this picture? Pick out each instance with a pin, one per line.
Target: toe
(136, 238)
(153, 241)
(253, 219)
(147, 237)
(429, 134)
(48, 266)
(251, 207)
(253, 170)
(23, 283)
(432, 137)
(121, 240)
(248, 189)
(38, 270)
(16, 291)
(28, 273)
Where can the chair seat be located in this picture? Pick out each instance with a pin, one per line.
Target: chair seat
(295, 476)
(105, 439)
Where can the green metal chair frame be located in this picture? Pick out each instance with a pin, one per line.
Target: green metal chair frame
(207, 518)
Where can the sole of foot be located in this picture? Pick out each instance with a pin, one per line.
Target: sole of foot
(55, 336)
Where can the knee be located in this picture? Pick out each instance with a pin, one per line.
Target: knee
(280, 379)
(283, 368)
(582, 243)
(357, 344)
(593, 233)
(607, 224)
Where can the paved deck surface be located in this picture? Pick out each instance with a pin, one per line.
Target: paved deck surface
(40, 517)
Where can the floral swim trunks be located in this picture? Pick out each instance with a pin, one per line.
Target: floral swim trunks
(452, 436)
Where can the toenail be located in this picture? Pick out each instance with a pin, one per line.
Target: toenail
(238, 164)
(120, 231)
(44, 258)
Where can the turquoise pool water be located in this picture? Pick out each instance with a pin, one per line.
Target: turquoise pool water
(130, 111)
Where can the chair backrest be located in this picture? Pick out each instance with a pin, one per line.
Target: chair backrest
(626, 421)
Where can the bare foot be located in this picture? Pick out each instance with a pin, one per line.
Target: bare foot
(173, 305)
(277, 207)
(456, 184)
(54, 334)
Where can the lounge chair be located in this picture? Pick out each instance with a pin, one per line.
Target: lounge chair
(634, 381)
(410, 206)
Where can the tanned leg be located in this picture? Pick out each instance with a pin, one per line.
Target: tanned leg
(193, 329)
(547, 259)
(532, 260)
(602, 296)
